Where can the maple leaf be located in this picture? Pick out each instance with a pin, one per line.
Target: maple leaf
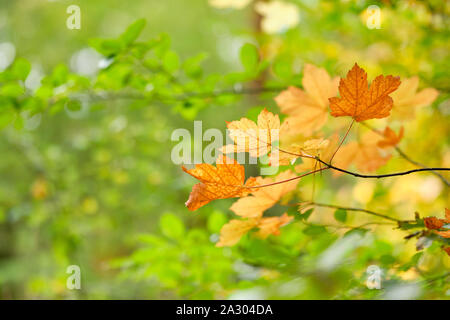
(285, 156)
(435, 224)
(256, 139)
(361, 102)
(324, 154)
(232, 232)
(264, 198)
(391, 139)
(364, 154)
(407, 99)
(272, 225)
(308, 109)
(225, 180)
(447, 250)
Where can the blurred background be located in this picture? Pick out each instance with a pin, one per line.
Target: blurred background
(97, 188)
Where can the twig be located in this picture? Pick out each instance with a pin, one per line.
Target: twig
(407, 158)
(378, 176)
(354, 209)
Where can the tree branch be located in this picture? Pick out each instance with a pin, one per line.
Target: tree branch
(354, 209)
(406, 157)
(379, 176)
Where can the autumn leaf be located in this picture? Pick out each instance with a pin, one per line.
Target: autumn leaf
(325, 153)
(447, 250)
(39, 189)
(390, 138)
(225, 180)
(443, 234)
(407, 99)
(232, 232)
(264, 198)
(435, 224)
(272, 225)
(285, 156)
(307, 109)
(365, 154)
(254, 138)
(361, 102)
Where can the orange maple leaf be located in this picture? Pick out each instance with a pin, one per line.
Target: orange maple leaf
(447, 250)
(308, 109)
(264, 198)
(391, 139)
(232, 232)
(361, 102)
(364, 154)
(225, 180)
(435, 224)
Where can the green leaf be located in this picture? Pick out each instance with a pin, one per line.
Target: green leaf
(249, 57)
(171, 61)
(21, 68)
(282, 68)
(314, 230)
(340, 215)
(107, 47)
(304, 216)
(132, 32)
(171, 226)
(215, 221)
(12, 90)
(192, 66)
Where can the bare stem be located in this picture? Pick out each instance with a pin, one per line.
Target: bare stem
(354, 209)
(378, 176)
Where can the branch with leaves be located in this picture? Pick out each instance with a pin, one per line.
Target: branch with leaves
(357, 100)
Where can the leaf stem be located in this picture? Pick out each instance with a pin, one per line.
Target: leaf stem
(342, 141)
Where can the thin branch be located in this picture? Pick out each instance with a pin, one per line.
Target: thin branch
(408, 158)
(184, 96)
(378, 176)
(283, 181)
(354, 209)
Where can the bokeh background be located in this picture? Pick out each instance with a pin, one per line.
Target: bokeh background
(97, 189)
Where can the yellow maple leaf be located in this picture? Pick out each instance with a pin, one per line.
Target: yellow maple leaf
(407, 99)
(232, 232)
(361, 102)
(308, 109)
(324, 154)
(254, 138)
(225, 180)
(271, 225)
(286, 155)
(264, 198)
